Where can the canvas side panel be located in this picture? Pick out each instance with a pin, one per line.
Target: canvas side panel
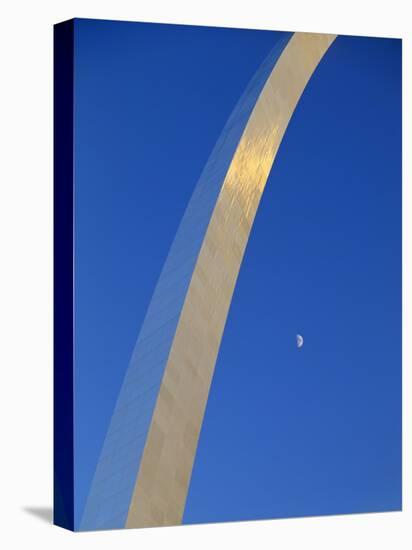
(63, 276)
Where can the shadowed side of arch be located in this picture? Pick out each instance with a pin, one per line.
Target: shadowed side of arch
(114, 480)
(166, 463)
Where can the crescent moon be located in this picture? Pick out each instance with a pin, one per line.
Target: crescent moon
(299, 341)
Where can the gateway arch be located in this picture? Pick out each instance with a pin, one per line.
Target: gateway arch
(143, 473)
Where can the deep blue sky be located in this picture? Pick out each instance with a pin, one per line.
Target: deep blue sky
(286, 432)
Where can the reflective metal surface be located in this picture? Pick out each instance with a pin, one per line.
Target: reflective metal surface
(113, 484)
(144, 470)
(165, 469)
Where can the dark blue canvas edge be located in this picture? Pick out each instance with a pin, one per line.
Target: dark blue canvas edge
(63, 408)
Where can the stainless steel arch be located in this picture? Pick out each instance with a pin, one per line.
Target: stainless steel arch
(166, 466)
(144, 470)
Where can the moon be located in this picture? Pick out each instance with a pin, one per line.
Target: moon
(299, 341)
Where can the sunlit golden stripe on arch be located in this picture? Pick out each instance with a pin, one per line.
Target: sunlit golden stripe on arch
(163, 479)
